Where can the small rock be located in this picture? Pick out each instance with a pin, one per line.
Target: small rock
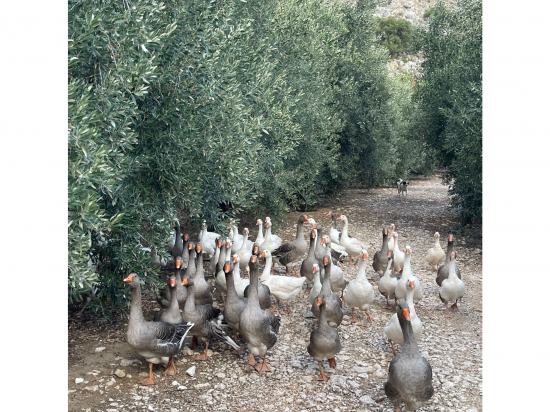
(201, 385)
(126, 362)
(472, 410)
(175, 383)
(307, 378)
(100, 349)
(209, 352)
(120, 373)
(143, 374)
(72, 390)
(182, 388)
(111, 382)
(220, 375)
(353, 384)
(380, 373)
(366, 399)
(359, 369)
(78, 380)
(91, 388)
(187, 351)
(191, 371)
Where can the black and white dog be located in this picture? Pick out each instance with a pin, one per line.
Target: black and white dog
(402, 187)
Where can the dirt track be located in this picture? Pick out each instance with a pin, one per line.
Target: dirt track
(226, 382)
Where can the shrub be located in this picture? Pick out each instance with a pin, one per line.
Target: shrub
(394, 34)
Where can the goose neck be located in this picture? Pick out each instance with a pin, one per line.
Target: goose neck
(136, 312)
(410, 346)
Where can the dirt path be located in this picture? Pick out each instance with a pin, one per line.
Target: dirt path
(226, 382)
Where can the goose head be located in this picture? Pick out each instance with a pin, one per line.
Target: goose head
(256, 250)
(315, 268)
(178, 262)
(198, 248)
(259, 222)
(219, 242)
(390, 255)
(402, 311)
(364, 254)
(392, 226)
(172, 281)
(303, 219)
(319, 300)
(323, 240)
(343, 218)
(187, 282)
(265, 253)
(228, 266)
(253, 263)
(132, 280)
(312, 235)
(408, 250)
(410, 285)
(436, 235)
(186, 237)
(227, 243)
(326, 261)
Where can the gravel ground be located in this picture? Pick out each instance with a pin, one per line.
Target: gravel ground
(104, 370)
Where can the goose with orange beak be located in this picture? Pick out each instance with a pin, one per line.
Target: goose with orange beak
(290, 253)
(211, 268)
(234, 305)
(334, 311)
(360, 293)
(409, 375)
(157, 342)
(452, 288)
(203, 289)
(306, 269)
(393, 328)
(264, 293)
(258, 327)
(269, 243)
(436, 255)
(220, 283)
(163, 298)
(324, 341)
(398, 255)
(204, 318)
(281, 287)
(172, 314)
(337, 281)
(245, 252)
(352, 248)
(443, 271)
(391, 240)
(401, 288)
(388, 282)
(380, 260)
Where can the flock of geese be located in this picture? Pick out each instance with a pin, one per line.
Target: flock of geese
(187, 304)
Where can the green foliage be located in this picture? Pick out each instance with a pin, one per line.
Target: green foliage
(394, 34)
(449, 115)
(185, 110)
(427, 13)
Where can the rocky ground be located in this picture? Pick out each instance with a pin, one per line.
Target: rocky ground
(104, 371)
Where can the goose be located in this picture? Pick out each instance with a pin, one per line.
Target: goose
(212, 236)
(234, 305)
(333, 303)
(336, 251)
(177, 249)
(264, 292)
(156, 259)
(258, 327)
(400, 289)
(211, 268)
(208, 245)
(269, 242)
(436, 255)
(184, 254)
(306, 270)
(393, 329)
(238, 240)
(409, 375)
(260, 238)
(276, 238)
(380, 261)
(452, 288)
(172, 314)
(391, 239)
(335, 235)
(314, 292)
(203, 289)
(240, 283)
(205, 327)
(163, 298)
(352, 248)
(244, 252)
(320, 249)
(324, 341)
(282, 288)
(290, 253)
(398, 255)
(337, 281)
(157, 342)
(360, 293)
(388, 282)
(220, 283)
(443, 271)
(191, 269)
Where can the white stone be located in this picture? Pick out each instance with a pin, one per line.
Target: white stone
(100, 349)
(366, 399)
(78, 380)
(120, 373)
(191, 371)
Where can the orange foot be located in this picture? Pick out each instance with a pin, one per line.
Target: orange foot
(448, 315)
(171, 368)
(354, 319)
(202, 356)
(369, 317)
(455, 307)
(322, 377)
(251, 360)
(262, 367)
(148, 381)
(332, 362)
(287, 311)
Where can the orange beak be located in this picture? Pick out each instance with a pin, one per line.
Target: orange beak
(263, 254)
(323, 241)
(226, 268)
(313, 234)
(268, 224)
(227, 244)
(325, 261)
(199, 248)
(306, 220)
(385, 231)
(450, 238)
(128, 279)
(406, 314)
(364, 256)
(319, 301)
(185, 237)
(220, 244)
(229, 227)
(453, 254)
(190, 246)
(178, 264)
(411, 283)
(266, 219)
(314, 226)
(184, 281)
(393, 234)
(172, 282)
(234, 259)
(328, 214)
(389, 254)
(339, 218)
(253, 259)
(314, 269)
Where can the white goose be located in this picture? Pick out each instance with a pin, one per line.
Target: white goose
(398, 255)
(388, 282)
(240, 284)
(282, 288)
(237, 239)
(337, 281)
(260, 238)
(352, 247)
(208, 245)
(269, 243)
(393, 329)
(401, 288)
(390, 242)
(244, 253)
(359, 293)
(314, 292)
(452, 288)
(436, 255)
